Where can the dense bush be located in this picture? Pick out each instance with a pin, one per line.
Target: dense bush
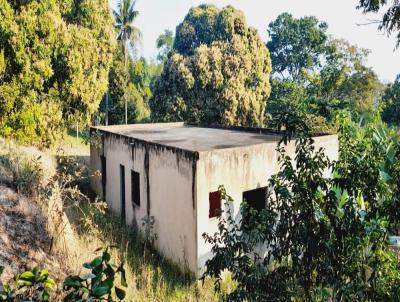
(98, 285)
(325, 239)
(54, 62)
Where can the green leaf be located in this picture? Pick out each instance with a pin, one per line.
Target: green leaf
(22, 282)
(120, 293)
(26, 275)
(101, 290)
(73, 281)
(49, 283)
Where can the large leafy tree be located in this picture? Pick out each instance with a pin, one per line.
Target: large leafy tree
(317, 74)
(218, 71)
(391, 102)
(297, 45)
(391, 17)
(130, 87)
(345, 81)
(164, 44)
(54, 63)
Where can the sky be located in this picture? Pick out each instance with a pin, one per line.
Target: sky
(341, 15)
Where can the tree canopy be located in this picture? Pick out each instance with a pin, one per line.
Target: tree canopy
(297, 44)
(391, 103)
(317, 75)
(54, 62)
(218, 71)
(164, 44)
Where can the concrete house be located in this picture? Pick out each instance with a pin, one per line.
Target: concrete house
(172, 172)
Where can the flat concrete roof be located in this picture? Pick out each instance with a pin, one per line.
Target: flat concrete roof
(193, 138)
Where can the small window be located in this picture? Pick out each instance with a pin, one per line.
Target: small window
(256, 198)
(103, 174)
(103, 169)
(214, 199)
(135, 188)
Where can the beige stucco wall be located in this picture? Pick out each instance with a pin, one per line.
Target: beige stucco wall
(179, 187)
(239, 170)
(171, 195)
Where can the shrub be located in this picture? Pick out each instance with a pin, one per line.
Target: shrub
(32, 285)
(99, 284)
(324, 239)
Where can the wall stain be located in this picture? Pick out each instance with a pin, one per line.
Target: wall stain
(147, 172)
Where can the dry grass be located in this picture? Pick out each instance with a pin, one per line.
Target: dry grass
(75, 227)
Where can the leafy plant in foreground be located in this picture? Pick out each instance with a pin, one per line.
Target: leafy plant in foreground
(318, 238)
(32, 285)
(99, 284)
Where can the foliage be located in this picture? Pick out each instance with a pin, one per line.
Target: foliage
(391, 18)
(32, 285)
(149, 235)
(26, 172)
(128, 34)
(346, 81)
(218, 71)
(98, 285)
(391, 103)
(297, 44)
(318, 238)
(317, 75)
(164, 44)
(55, 58)
(131, 85)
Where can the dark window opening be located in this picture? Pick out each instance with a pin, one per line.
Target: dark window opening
(256, 198)
(135, 188)
(214, 199)
(103, 174)
(122, 192)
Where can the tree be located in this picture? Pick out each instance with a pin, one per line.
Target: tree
(130, 87)
(164, 44)
(296, 45)
(218, 71)
(318, 238)
(391, 18)
(128, 34)
(391, 103)
(329, 75)
(345, 80)
(54, 62)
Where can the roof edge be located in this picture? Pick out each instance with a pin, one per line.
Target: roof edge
(259, 130)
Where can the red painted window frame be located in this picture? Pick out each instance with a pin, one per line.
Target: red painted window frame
(214, 201)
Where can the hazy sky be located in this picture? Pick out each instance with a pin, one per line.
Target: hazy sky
(341, 16)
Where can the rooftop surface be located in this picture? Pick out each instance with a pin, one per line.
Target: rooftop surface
(192, 138)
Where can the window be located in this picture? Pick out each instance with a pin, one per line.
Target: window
(122, 192)
(256, 198)
(103, 174)
(135, 188)
(214, 199)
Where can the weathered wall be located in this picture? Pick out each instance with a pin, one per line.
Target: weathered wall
(239, 170)
(166, 192)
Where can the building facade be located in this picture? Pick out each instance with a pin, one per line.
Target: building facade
(172, 172)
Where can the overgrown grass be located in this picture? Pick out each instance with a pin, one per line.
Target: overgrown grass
(80, 224)
(77, 144)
